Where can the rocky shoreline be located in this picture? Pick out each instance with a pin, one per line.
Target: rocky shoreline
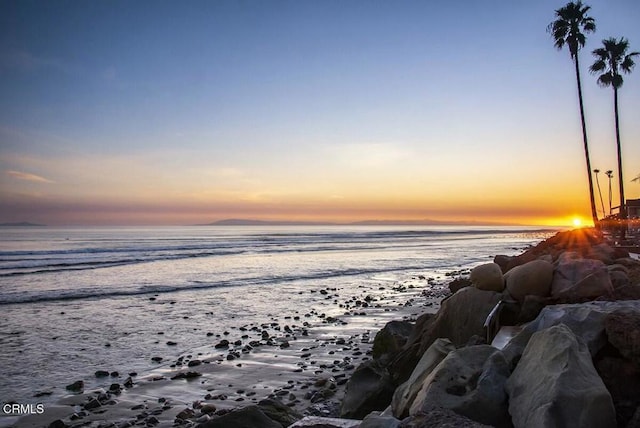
(570, 307)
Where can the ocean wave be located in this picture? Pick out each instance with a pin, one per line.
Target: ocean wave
(8, 298)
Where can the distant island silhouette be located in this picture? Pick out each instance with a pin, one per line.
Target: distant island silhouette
(21, 224)
(425, 222)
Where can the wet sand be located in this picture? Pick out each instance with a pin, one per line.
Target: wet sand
(304, 358)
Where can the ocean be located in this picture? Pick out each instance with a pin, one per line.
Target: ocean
(77, 300)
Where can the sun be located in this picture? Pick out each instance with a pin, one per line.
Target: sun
(577, 222)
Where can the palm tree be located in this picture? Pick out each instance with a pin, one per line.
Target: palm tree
(609, 174)
(597, 171)
(569, 28)
(611, 59)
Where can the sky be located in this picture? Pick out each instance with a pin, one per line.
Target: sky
(188, 112)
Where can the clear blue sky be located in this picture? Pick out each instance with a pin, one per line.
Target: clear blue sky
(180, 112)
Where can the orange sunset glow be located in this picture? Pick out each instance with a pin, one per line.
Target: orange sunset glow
(305, 118)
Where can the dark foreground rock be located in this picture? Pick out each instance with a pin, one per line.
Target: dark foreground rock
(370, 388)
(460, 317)
(246, 417)
(556, 384)
(470, 381)
(440, 418)
(267, 414)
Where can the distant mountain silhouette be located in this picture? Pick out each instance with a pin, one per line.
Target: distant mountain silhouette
(248, 222)
(425, 222)
(21, 224)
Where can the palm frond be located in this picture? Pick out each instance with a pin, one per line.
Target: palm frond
(628, 63)
(597, 66)
(605, 80)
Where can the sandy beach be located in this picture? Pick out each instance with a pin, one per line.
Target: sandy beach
(302, 358)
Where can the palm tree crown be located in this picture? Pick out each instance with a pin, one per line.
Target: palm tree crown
(570, 27)
(611, 60)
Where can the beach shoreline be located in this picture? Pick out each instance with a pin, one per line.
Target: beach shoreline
(302, 359)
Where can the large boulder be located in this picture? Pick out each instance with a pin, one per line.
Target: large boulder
(556, 385)
(576, 278)
(603, 252)
(406, 393)
(623, 332)
(622, 379)
(459, 283)
(440, 418)
(324, 422)
(369, 389)
(586, 320)
(502, 261)
(391, 338)
(619, 279)
(460, 317)
(487, 277)
(532, 278)
(279, 412)
(246, 417)
(470, 381)
(375, 420)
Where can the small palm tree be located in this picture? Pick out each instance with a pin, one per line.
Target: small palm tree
(609, 174)
(611, 60)
(569, 28)
(597, 171)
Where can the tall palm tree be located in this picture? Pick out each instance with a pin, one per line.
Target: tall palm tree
(569, 28)
(609, 174)
(597, 171)
(611, 60)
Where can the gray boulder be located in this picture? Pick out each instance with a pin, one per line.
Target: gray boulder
(246, 417)
(391, 338)
(603, 252)
(375, 420)
(279, 412)
(487, 277)
(323, 422)
(369, 389)
(406, 393)
(623, 332)
(619, 279)
(470, 381)
(440, 418)
(586, 320)
(580, 278)
(556, 385)
(533, 278)
(460, 317)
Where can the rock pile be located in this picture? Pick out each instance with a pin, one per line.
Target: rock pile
(575, 362)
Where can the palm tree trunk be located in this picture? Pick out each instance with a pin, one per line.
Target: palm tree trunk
(604, 213)
(609, 194)
(623, 211)
(594, 214)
